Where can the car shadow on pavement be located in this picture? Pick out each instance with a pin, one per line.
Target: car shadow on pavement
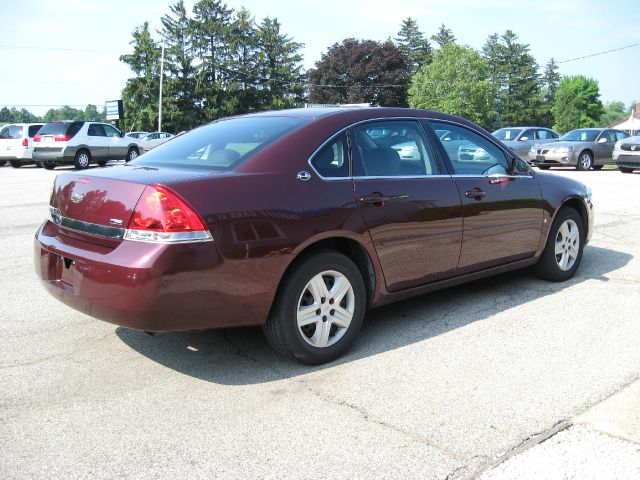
(242, 356)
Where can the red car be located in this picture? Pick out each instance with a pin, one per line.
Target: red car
(301, 220)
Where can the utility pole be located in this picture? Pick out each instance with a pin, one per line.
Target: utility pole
(161, 78)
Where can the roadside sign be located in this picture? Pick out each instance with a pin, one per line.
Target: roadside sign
(113, 109)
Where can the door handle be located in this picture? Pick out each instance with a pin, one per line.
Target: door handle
(475, 193)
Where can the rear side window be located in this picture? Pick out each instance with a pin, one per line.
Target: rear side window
(96, 130)
(221, 145)
(333, 160)
(11, 131)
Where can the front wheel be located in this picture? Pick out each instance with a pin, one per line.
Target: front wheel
(82, 159)
(2, 162)
(598, 167)
(562, 253)
(132, 154)
(15, 163)
(319, 309)
(626, 170)
(585, 161)
(544, 167)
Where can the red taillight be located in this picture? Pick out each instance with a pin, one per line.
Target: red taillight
(37, 138)
(25, 142)
(63, 138)
(160, 209)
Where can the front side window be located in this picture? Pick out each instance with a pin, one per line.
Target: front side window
(471, 153)
(393, 148)
(111, 131)
(528, 135)
(621, 135)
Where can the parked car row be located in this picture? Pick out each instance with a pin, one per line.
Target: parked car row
(80, 143)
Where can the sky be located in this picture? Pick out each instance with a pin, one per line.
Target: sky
(57, 52)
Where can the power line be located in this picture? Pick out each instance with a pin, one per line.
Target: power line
(61, 49)
(600, 53)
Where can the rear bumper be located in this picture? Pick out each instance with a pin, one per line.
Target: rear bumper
(57, 155)
(155, 287)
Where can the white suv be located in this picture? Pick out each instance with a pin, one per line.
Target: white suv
(81, 143)
(16, 143)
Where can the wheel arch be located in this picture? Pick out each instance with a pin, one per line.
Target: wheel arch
(348, 246)
(578, 204)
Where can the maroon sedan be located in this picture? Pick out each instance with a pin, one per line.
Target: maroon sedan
(301, 220)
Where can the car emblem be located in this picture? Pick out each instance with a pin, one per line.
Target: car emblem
(115, 221)
(304, 176)
(77, 197)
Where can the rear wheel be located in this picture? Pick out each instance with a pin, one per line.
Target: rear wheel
(15, 163)
(2, 162)
(82, 159)
(544, 167)
(102, 163)
(38, 164)
(598, 167)
(48, 165)
(131, 154)
(585, 161)
(562, 253)
(319, 309)
(626, 170)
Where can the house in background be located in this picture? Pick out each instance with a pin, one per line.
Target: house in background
(630, 125)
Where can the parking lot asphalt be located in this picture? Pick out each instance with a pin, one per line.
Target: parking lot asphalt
(438, 386)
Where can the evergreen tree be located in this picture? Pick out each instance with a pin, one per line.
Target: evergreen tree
(181, 106)
(514, 73)
(280, 65)
(243, 65)
(210, 36)
(444, 36)
(358, 71)
(550, 80)
(140, 94)
(411, 42)
(456, 82)
(577, 103)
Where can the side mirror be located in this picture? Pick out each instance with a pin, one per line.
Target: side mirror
(602, 140)
(524, 139)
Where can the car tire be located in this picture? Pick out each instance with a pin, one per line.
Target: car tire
(38, 164)
(15, 163)
(82, 159)
(48, 165)
(563, 251)
(132, 154)
(328, 287)
(544, 167)
(2, 162)
(626, 170)
(585, 161)
(102, 163)
(598, 167)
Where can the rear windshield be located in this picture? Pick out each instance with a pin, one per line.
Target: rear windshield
(506, 133)
(221, 145)
(59, 128)
(11, 131)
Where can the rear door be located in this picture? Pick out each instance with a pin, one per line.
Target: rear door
(410, 205)
(503, 212)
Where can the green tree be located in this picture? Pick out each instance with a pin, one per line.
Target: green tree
(63, 113)
(577, 103)
(550, 80)
(243, 71)
(210, 36)
(444, 36)
(140, 94)
(514, 73)
(411, 42)
(456, 82)
(614, 112)
(91, 113)
(281, 78)
(14, 115)
(357, 71)
(181, 110)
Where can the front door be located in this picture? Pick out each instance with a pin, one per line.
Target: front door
(503, 212)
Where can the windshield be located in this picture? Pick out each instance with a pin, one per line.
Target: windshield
(221, 145)
(507, 133)
(580, 136)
